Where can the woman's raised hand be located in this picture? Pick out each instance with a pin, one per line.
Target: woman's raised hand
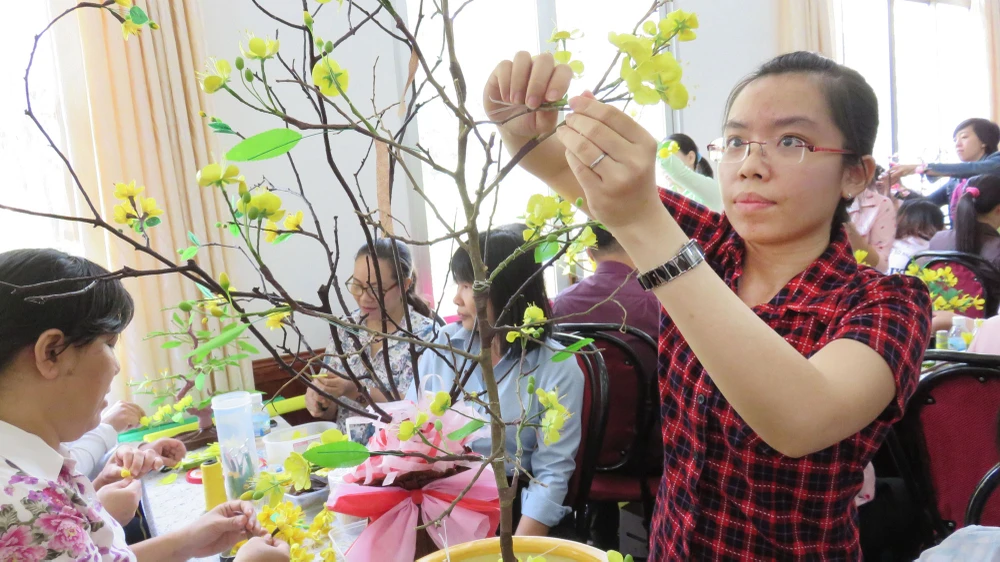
(525, 81)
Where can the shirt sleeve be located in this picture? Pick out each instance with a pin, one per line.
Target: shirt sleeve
(940, 195)
(706, 188)
(88, 451)
(883, 232)
(988, 165)
(893, 317)
(553, 465)
(697, 221)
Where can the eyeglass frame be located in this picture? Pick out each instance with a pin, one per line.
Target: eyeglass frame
(370, 289)
(806, 147)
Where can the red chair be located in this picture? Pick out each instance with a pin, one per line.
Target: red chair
(977, 277)
(984, 499)
(947, 439)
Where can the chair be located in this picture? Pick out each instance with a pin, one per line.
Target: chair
(592, 422)
(982, 496)
(630, 461)
(977, 277)
(947, 438)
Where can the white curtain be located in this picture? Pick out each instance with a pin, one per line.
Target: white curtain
(808, 25)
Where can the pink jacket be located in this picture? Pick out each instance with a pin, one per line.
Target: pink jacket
(874, 217)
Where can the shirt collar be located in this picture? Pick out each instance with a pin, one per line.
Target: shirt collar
(611, 267)
(30, 453)
(459, 339)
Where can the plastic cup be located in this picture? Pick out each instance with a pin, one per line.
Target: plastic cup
(234, 424)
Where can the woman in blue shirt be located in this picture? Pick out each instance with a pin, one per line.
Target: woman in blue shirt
(551, 465)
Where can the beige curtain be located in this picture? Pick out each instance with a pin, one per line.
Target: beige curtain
(808, 25)
(131, 112)
(990, 13)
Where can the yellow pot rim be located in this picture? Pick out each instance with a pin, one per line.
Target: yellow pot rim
(533, 545)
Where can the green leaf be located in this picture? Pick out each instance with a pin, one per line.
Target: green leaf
(568, 352)
(152, 221)
(199, 381)
(203, 334)
(170, 344)
(282, 237)
(138, 16)
(204, 290)
(218, 341)
(177, 320)
(342, 454)
(194, 239)
(178, 417)
(269, 144)
(169, 479)
(545, 251)
(158, 401)
(221, 128)
(247, 347)
(466, 430)
(234, 229)
(237, 357)
(188, 253)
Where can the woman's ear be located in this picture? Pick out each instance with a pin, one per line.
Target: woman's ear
(857, 177)
(406, 285)
(48, 347)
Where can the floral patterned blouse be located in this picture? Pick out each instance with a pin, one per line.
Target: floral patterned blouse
(48, 510)
(399, 358)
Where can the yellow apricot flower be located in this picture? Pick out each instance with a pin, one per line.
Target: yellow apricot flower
(126, 473)
(216, 75)
(552, 422)
(533, 316)
(259, 49)
(298, 468)
(586, 239)
(124, 3)
(442, 401)
(270, 231)
(294, 221)
(421, 419)
(263, 205)
(667, 150)
(126, 190)
(540, 209)
(329, 77)
(566, 213)
(860, 256)
(144, 421)
(639, 49)
(274, 320)
(332, 436)
(680, 22)
(130, 28)
(149, 207)
(124, 213)
(406, 430)
(219, 174)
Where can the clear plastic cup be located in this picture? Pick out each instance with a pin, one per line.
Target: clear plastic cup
(261, 419)
(234, 424)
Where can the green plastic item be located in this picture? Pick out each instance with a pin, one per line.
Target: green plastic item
(135, 435)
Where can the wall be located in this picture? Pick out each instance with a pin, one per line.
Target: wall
(300, 264)
(734, 38)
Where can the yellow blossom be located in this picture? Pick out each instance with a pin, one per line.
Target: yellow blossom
(216, 75)
(125, 190)
(270, 231)
(298, 468)
(218, 174)
(406, 430)
(126, 473)
(586, 239)
(566, 213)
(639, 49)
(124, 3)
(329, 77)
(259, 49)
(540, 209)
(332, 436)
(421, 419)
(552, 422)
(299, 553)
(533, 316)
(681, 23)
(124, 213)
(294, 221)
(130, 28)
(860, 256)
(274, 320)
(263, 205)
(328, 555)
(144, 421)
(442, 401)
(149, 207)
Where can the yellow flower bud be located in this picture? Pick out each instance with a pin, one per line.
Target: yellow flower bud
(224, 281)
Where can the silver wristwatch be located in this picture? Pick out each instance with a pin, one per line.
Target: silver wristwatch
(690, 255)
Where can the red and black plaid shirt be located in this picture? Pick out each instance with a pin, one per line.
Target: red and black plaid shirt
(727, 495)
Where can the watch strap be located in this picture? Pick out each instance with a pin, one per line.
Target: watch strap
(689, 256)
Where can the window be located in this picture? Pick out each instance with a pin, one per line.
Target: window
(34, 176)
(926, 58)
(485, 34)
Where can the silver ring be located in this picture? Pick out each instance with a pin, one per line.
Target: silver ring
(598, 161)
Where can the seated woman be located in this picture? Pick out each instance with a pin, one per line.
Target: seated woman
(690, 171)
(57, 362)
(872, 227)
(977, 219)
(976, 143)
(917, 221)
(551, 465)
(366, 357)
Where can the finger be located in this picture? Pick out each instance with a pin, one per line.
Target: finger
(558, 85)
(282, 546)
(585, 151)
(538, 80)
(601, 135)
(498, 86)
(519, 76)
(583, 173)
(611, 116)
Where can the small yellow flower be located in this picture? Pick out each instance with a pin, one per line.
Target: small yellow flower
(263, 205)
(441, 402)
(270, 231)
(540, 209)
(259, 49)
(299, 553)
(149, 207)
(274, 320)
(216, 75)
(124, 213)
(218, 174)
(328, 555)
(860, 256)
(421, 419)
(565, 212)
(586, 239)
(129, 28)
(126, 473)
(124, 3)
(298, 468)
(552, 422)
(680, 22)
(406, 430)
(667, 150)
(294, 221)
(144, 421)
(332, 436)
(329, 77)
(125, 190)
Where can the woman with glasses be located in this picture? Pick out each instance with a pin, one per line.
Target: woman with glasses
(783, 362)
(395, 309)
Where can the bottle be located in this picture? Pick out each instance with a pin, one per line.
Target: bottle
(237, 446)
(261, 419)
(955, 340)
(941, 339)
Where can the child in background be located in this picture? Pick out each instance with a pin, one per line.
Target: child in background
(917, 222)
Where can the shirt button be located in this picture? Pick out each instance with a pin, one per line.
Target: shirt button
(701, 399)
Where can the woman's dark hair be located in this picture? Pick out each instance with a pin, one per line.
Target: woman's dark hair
(99, 308)
(920, 218)
(687, 146)
(987, 131)
(967, 229)
(851, 100)
(398, 255)
(496, 246)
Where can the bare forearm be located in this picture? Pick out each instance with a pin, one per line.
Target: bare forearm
(166, 548)
(528, 527)
(547, 162)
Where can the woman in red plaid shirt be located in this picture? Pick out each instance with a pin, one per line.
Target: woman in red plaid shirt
(782, 361)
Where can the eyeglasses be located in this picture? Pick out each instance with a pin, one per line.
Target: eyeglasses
(786, 150)
(357, 288)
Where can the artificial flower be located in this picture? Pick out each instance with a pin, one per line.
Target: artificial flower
(332, 436)
(421, 419)
(259, 49)
(441, 403)
(667, 150)
(124, 213)
(638, 49)
(271, 488)
(298, 468)
(294, 221)
(860, 256)
(540, 209)
(329, 77)
(299, 553)
(263, 205)
(149, 207)
(406, 430)
(270, 231)
(124, 3)
(125, 190)
(216, 75)
(218, 174)
(680, 23)
(328, 555)
(144, 421)
(565, 213)
(275, 319)
(552, 423)
(533, 316)
(130, 28)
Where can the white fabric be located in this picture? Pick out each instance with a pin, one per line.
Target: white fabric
(89, 450)
(981, 544)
